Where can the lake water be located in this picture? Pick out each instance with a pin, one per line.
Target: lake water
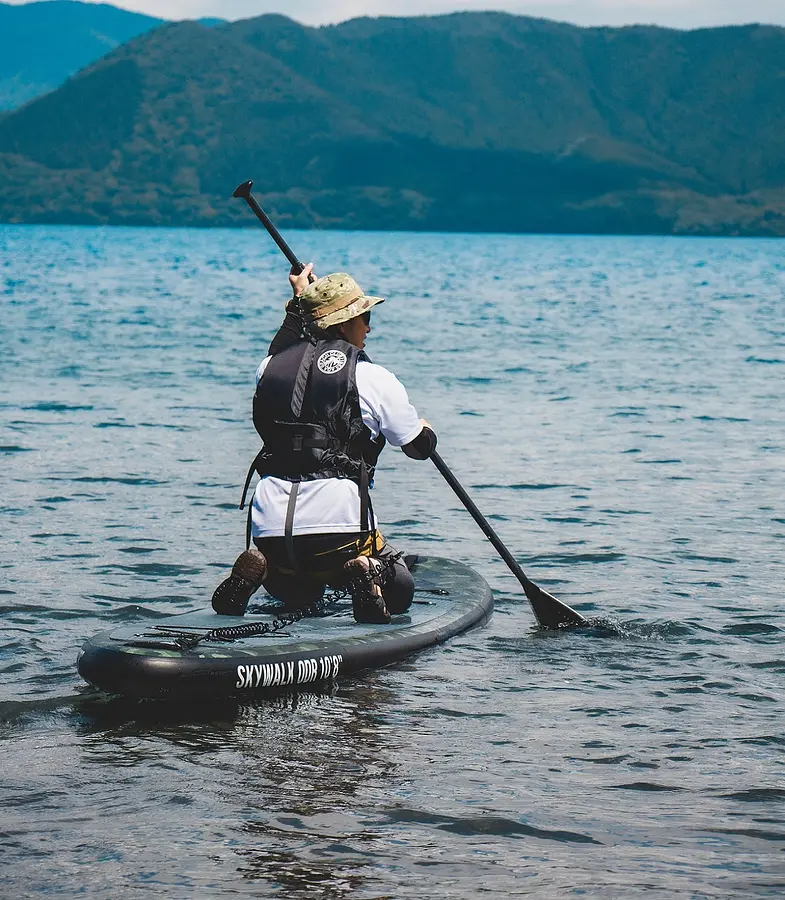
(615, 405)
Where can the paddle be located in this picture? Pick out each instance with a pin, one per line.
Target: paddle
(549, 612)
(291, 330)
(244, 190)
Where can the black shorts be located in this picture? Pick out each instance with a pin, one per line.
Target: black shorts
(320, 560)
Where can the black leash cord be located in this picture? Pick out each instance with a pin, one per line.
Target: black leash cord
(255, 629)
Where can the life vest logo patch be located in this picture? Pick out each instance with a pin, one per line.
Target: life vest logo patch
(331, 361)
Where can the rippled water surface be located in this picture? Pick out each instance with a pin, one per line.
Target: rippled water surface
(615, 405)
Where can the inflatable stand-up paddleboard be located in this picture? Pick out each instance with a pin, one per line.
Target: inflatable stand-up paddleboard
(202, 656)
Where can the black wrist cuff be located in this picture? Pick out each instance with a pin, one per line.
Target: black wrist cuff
(422, 446)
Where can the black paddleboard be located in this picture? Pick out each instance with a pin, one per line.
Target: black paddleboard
(155, 662)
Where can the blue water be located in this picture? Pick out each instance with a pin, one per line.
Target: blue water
(615, 405)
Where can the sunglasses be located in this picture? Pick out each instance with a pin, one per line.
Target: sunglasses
(366, 317)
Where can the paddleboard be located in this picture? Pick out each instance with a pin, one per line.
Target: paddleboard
(155, 661)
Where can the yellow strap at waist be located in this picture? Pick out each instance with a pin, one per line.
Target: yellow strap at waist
(365, 549)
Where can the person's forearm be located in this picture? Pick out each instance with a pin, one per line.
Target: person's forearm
(290, 331)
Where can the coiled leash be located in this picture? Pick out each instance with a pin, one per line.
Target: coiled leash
(189, 640)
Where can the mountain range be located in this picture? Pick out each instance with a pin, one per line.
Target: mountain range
(468, 121)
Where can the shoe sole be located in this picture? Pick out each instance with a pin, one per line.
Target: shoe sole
(366, 605)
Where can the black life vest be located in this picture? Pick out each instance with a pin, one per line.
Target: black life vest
(307, 411)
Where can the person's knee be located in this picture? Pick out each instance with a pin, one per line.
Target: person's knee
(399, 590)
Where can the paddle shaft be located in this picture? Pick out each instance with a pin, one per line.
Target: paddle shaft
(549, 612)
(480, 519)
(244, 191)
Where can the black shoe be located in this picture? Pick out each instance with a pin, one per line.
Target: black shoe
(233, 593)
(365, 584)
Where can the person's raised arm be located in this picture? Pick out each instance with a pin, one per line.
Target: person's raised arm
(291, 330)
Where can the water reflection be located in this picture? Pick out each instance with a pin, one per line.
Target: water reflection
(286, 774)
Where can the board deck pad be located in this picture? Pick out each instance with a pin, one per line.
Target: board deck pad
(145, 661)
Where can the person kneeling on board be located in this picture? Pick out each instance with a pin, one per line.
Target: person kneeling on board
(325, 412)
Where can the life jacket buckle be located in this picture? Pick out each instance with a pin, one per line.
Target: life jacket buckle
(297, 442)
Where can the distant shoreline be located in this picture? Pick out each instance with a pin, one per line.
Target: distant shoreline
(397, 231)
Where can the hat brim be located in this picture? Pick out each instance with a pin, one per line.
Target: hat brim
(355, 308)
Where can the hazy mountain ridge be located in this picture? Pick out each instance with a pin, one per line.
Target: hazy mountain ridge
(472, 121)
(42, 44)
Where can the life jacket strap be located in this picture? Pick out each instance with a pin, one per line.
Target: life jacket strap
(289, 526)
(301, 381)
(249, 476)
(365, 497)
(248, 525)
(366, 507)
(292, 437)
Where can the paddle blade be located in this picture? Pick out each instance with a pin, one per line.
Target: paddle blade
(550, 612)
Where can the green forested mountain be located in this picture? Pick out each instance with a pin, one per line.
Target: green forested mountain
(42, 44)
(472, 121)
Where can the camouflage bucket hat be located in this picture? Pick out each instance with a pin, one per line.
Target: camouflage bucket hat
(333, 299)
